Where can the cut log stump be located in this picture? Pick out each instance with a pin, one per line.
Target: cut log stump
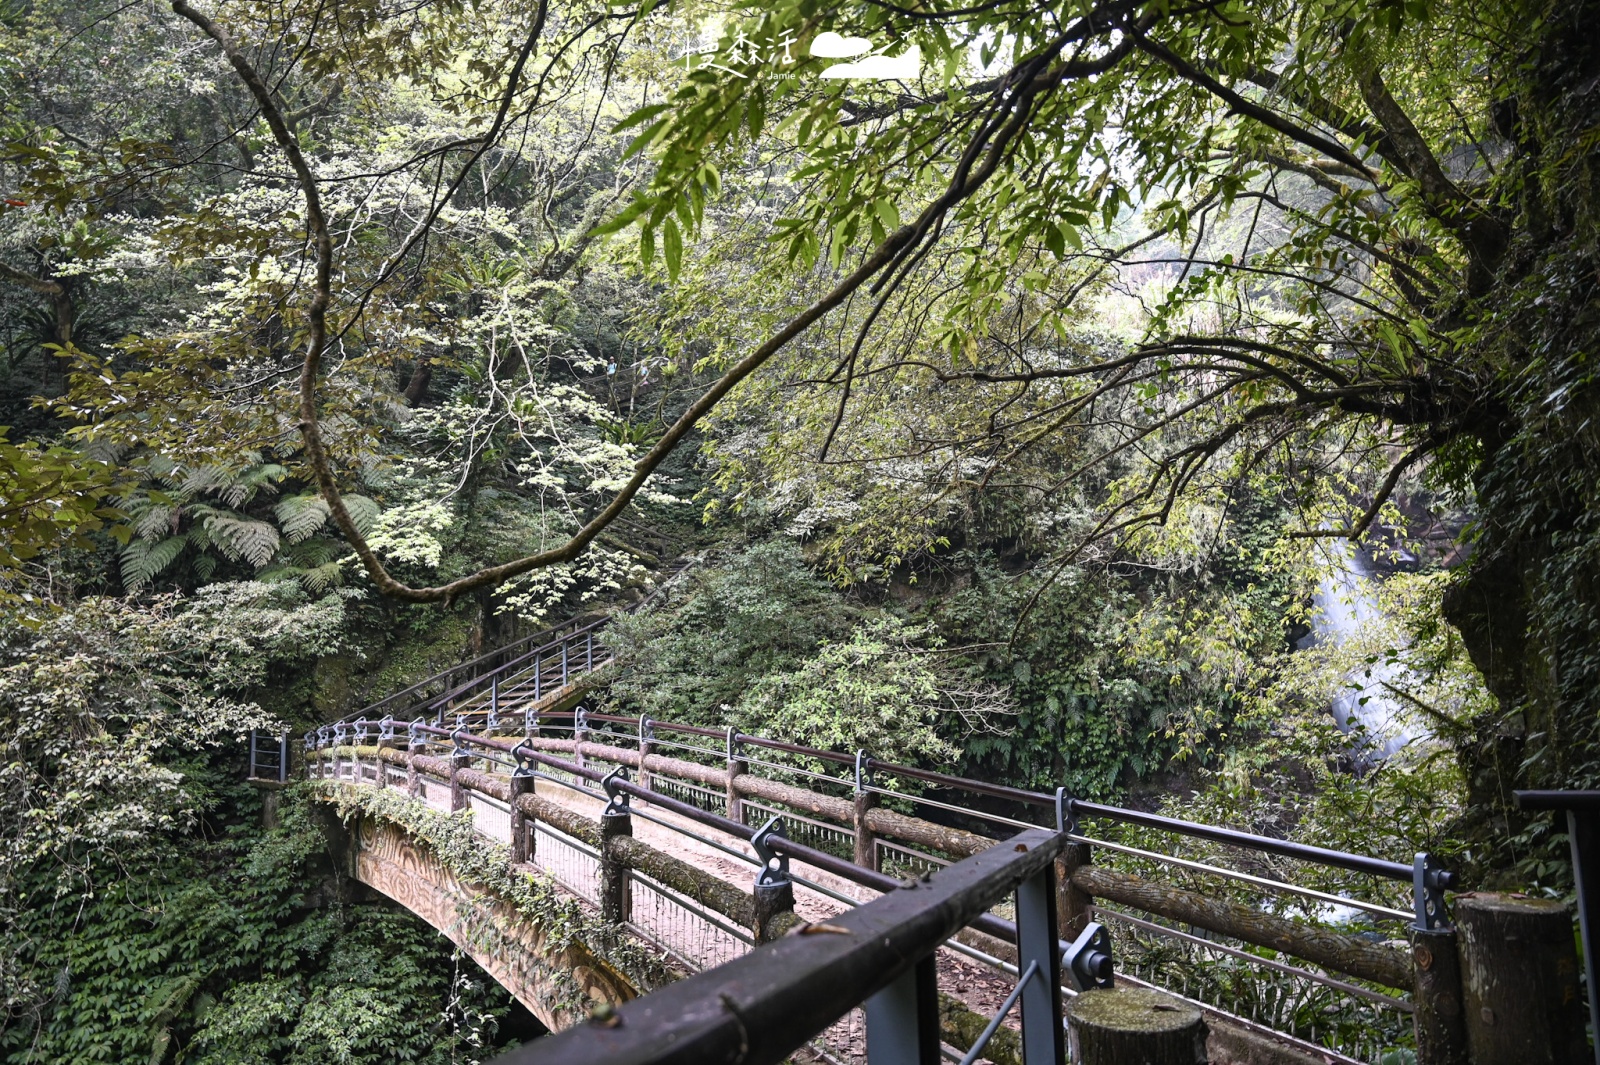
(1519, 981)
(1135, 1026)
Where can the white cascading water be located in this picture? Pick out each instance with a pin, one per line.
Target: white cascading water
(1346, 604)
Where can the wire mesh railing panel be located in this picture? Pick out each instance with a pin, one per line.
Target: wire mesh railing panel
(715, 802)
(819, 835)
(1309, 1005)
(569, 862)
(690, 932)
(490, 817)
(903, 861)
(436, 794)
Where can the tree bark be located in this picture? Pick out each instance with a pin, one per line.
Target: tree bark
(1347, 954)
(1520, 981)
(1125, 1025)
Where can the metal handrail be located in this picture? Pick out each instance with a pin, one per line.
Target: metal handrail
(761, 1007)
(1074, 806)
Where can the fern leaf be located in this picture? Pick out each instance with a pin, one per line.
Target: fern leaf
(363, 511)
(152, 522)
(239, 537)
(300, 516)
(319, 580)
(142, 560)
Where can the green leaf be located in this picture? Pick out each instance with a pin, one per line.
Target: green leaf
(672, 246)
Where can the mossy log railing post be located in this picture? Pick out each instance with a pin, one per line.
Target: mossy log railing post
(736, 766)
(617, 821)
(523, 846)
(1520, 991)
(1073, 904)
(866, 848)
(1440, 1024)
(1119, 1026)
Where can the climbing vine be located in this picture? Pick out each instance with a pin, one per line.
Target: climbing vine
(474, 860)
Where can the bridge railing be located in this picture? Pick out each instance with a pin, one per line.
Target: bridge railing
(1162, 930)
(511, 676)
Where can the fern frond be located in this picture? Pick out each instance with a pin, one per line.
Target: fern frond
(238, 537)
(142, 560)
(300, 516)
(363, 511)
(152, 522)
(313, 552)
(319, 580)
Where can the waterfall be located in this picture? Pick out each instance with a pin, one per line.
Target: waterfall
(1346, 604)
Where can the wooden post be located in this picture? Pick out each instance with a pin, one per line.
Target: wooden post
(774, 911)
(522, 845)
(1441, 1028)
(614, 893)
(1519, 981)
(413, 781)
(458, 791)
(1073, 905)
(645, 735)
(736, 766)
(1120, 1026)
(866, 854)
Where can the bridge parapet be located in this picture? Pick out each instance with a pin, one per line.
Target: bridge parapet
(1239, 939)
(686, 793)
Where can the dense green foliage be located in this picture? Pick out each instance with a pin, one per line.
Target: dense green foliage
(1015, 413)
(235, 946)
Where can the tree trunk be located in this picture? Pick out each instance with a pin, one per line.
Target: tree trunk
(1520, 981)
(416, 389)
(1134, 1026)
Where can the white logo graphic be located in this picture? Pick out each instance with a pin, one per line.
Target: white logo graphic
(875, 67)
(827, 45)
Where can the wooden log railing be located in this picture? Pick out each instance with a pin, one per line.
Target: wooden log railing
(727, 777)
(1351, 955)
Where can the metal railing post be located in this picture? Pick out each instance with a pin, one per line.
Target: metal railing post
(736, 766)
(646, 734)
(522, 831)
(903, 1019)
(459, 760)
(1074, 906)
(538, 678)
(615, 895)
(415, 745)
(580, 732)
(588, 651)
(773, 893)
(866, 850)
(1037, 944)
(564, 663)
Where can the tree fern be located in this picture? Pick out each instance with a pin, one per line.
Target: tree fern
(142, 560)
(239, 537)
(300, 516)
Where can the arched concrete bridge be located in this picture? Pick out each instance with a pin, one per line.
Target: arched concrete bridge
(646, 838)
